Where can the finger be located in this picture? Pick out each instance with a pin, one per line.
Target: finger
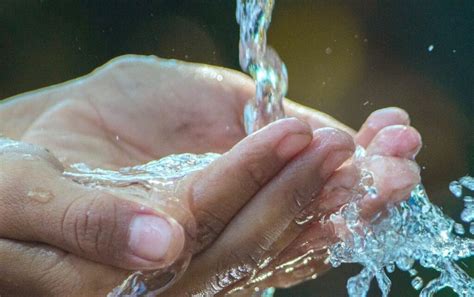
(377, 121)
(393, 141)
(396, 141)
(38, 204)
(247, 239)
(40, 270)
(299, 263)
(314, 118)
(223, 188)
(394, 178)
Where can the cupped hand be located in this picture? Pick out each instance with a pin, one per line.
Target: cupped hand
(62, 238)
(391, 146)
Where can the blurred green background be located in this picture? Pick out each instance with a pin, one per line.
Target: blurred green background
(346, 58)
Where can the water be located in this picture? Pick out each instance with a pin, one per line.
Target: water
(143, 182)
(414, 231)
(262, 63)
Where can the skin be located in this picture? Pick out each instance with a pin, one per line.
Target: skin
(136, 109)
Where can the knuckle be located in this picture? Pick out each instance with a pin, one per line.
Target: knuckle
(256, 171)
(209, 227)
(298, 201)
(90, 223)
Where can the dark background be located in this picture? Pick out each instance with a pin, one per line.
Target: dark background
(346, 58)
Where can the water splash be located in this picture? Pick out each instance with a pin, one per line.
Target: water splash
(262, 63)
(412, 231)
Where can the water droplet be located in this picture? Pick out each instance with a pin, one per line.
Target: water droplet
(468, 201)
(303, 219)
(467, 182)
(454, 51)
(40, 195)
(328, 51)
(417, 283)
(390, 268)
(467, 215)
(455, 188)
(219, 77)
(29, 157)
(404, 263)
(430, 48)
(459, 229)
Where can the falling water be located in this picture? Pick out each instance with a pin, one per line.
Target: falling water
(262, 63)
(412, 231)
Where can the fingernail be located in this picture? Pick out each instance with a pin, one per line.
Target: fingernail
(293, 144)
(150, 237)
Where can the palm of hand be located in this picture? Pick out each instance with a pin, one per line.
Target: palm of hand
(134, 110)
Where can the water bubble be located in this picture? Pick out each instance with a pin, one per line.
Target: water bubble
(328, 51)
(430, 48)
(417, 283)
(455, 188)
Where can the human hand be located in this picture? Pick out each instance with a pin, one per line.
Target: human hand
(391, 146)
(132, 111)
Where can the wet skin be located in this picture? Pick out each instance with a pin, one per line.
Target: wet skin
(83, 242)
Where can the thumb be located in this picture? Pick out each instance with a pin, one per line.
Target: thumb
(38, 204)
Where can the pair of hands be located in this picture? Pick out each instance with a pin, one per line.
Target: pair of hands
(59, 238)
